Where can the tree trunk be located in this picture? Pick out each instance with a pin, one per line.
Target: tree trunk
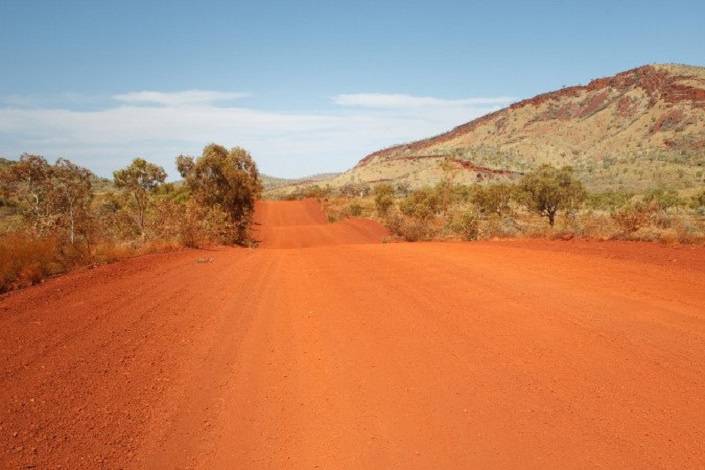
(72, 226)
(141, 208)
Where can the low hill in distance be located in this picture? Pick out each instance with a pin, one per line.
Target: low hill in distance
(637, 130)
(271, 183)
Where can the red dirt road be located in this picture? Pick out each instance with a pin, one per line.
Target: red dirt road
(327, 349)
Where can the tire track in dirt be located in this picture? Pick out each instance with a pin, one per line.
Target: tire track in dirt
(324, 348)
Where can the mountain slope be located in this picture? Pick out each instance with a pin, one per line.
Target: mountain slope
(637, 129)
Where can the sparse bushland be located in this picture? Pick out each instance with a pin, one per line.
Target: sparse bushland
(547, 203)
(54, 217)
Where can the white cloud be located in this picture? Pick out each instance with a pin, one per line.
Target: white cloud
(401, 101)
(66, 99)
(178, 98)
(159, 126)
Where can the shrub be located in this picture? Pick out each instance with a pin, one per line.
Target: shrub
(25, 260)
(592, 225)
(114, 219)
(354, 190)
(421, 204)
(393, 221)
(444, 194)
(663, 199)
(189, 224)
(403, 189)
(688, 232)
(501, 227)
(412, 229)
(661, 218)
(493, 199)
(384, 199)
(633, 216)
(313, 191)
(408, 228)
(463, 193)
(698, 201)
(466, 224)
(609, 200)
(201, 226)
(355, 209)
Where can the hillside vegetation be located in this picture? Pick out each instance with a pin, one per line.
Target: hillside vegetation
(637, 130)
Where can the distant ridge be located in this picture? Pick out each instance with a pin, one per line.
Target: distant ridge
(273, 182)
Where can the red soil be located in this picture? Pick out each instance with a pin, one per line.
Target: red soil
(302, 224)
(526, 354)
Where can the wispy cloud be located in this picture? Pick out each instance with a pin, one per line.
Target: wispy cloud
(160, 125)
(45, 100)
(401, 101)
(178, 98)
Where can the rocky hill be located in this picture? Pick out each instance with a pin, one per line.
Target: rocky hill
(638, 129)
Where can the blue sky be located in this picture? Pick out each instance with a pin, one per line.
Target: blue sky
(305, 86)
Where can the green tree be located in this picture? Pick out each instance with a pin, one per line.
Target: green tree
(50, 197)
(548, 190)
(140, 180)
(72, 197)
(493, 199)
(227, 179)
(28, 185)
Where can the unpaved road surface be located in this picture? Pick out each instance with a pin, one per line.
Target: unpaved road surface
(327, 349)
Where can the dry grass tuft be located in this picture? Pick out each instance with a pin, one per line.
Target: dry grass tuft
(25, 260)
